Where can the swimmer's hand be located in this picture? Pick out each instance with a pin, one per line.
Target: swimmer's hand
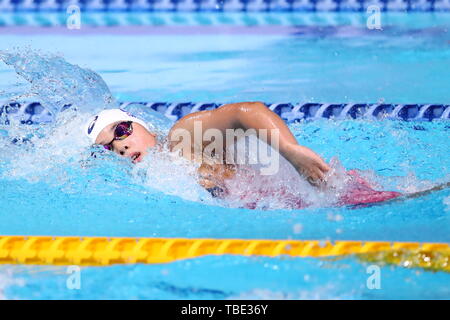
(211, 177)
(308, 164)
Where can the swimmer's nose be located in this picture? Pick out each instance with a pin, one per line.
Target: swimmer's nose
(123, 151)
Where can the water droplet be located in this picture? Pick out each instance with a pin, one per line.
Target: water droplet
(298, 227)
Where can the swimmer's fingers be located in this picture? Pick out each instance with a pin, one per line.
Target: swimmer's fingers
(312, 181)
(317, 177)
(319, 169)
(316, 182)
(324, 167)
(325, 171)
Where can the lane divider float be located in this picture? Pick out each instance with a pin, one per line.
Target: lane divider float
(33, 112)
(104, 251)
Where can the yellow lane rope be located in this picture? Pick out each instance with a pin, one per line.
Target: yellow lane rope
(102, 251)
(438, 260)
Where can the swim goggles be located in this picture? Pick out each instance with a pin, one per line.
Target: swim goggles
(122, 131)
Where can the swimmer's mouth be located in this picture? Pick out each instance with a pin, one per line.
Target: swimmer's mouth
(136, 157)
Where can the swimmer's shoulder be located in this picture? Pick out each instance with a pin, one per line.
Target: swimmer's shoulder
(181, 128)
(222, 118)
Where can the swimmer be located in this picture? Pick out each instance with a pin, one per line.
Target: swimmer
(130, 137)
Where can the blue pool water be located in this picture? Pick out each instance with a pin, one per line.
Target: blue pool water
(407, 62)
(53, 186)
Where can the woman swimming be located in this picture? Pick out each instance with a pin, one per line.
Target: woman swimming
(206, 137)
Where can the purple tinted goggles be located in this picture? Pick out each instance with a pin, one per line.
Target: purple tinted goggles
(122, 131)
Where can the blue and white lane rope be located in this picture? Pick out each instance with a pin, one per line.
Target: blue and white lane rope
(34, 112)
(308, 23)
(225, 5)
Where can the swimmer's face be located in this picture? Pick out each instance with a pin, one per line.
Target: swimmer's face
(134, 146)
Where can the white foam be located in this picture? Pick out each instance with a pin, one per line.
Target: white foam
(171, 174)
(7, 280)
(318, 293)
(285, 188)
(446, 202)
(62, 143)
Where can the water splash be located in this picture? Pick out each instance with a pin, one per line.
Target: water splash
(56, 152)
(171, 174)
(8, 279)
(59, 154)
(446, 202)
(58, 83)
(43, 153)
(328, 291)
(284, 190)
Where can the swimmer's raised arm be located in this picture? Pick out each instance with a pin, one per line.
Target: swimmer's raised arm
(256, 115)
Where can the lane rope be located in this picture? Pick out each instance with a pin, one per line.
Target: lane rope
(104, 251)
(34, 112)
(227, 5)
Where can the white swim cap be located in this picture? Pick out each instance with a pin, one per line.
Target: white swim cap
(97, 123)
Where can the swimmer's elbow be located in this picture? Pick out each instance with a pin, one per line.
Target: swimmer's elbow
(243, 112)
(248, 111)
